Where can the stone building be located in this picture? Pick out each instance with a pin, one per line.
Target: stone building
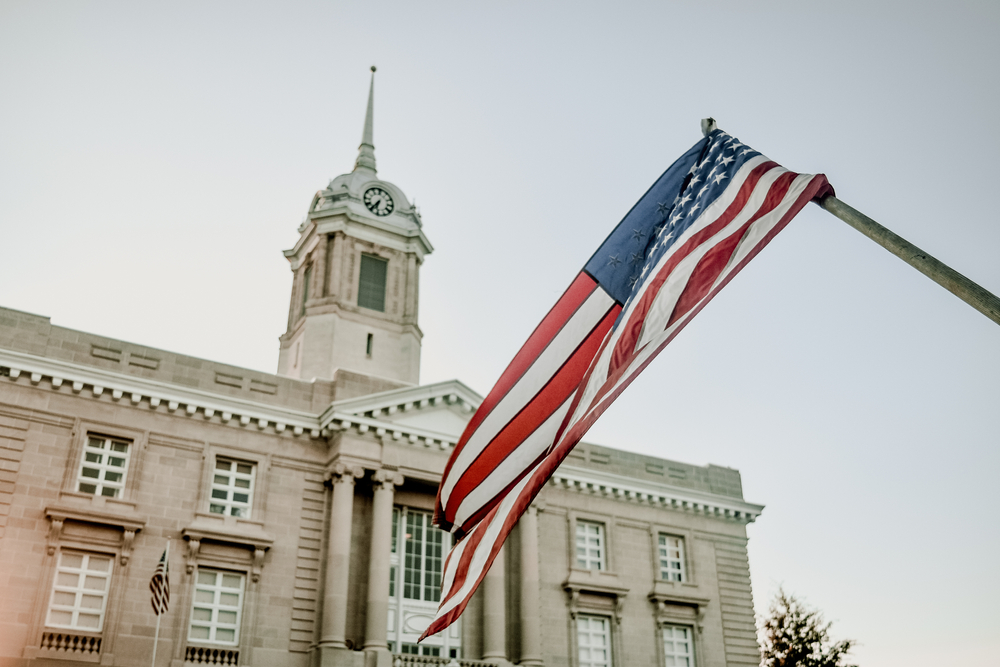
(297, 506)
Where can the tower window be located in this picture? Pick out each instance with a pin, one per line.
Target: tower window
(368, 347)
(306, 279)
(371, 291)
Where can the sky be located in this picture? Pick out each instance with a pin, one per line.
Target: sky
(155, 158)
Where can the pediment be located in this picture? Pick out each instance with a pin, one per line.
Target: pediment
(443, 407)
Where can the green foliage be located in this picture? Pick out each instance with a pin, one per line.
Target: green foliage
(795, 636)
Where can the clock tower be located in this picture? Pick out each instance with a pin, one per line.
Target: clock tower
(356, 270)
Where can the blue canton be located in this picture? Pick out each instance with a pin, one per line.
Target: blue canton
(665, 212)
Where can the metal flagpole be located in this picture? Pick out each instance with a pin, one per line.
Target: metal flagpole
(156, 638)
(973, 294)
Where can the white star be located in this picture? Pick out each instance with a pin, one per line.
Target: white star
(720, 178)
(673, 221)
(748, 150)
(685, 200)
(694, 208)
(726, 160)
(645, 269)
(695, 179)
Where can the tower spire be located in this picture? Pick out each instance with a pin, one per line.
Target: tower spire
(366, 151)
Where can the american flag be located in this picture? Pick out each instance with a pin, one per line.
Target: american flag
(699, 224)
(159, 585)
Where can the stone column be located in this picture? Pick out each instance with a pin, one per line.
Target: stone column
(377, 614)
(495, 611)
(531, 632)
(338, 556)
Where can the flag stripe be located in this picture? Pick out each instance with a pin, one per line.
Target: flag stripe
(536, 412)
(554, 375)
(686, 259)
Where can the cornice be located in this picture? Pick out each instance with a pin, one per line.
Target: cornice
(627, 489)
(58, 375)
(55, 373)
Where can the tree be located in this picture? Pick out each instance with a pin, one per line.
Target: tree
(795, 636)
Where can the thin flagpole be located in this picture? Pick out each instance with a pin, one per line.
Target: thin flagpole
(156, 638)
(973, 294)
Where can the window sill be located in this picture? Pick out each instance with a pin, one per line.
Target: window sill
(595, 581)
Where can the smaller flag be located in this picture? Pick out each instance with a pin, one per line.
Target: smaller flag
(160, 586)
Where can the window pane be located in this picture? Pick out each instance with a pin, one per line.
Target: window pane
(67, 579)
(95, 583)
(62, 599)
(71, 560)
(371, 287)
(103, 475)
(60, 617)
(225, 498)
(215, 616)
(88, 621)
(79, 591)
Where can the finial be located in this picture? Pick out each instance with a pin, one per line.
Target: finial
(366, 151)
(708, 125)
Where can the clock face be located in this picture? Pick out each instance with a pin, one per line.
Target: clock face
(378, 201)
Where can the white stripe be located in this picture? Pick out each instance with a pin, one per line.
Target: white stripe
(758, 230)
(516, 463)
(482, 552)
(538, 374)
(600, 373)
(670, 292)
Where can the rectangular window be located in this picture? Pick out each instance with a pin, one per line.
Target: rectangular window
(678, 647)
(590, 545)
(80, 591)
(672, 558)
(593, 639)
(232, 488)
(104, 467)
(306, 279)
(218, 602)
(371, 288)
(423, 558)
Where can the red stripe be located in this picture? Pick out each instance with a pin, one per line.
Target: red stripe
(632, 329)
(577, 293)
(715, 260)
(817, 188)
(547, 401)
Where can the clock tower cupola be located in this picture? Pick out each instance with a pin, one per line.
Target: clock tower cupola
(356, 270)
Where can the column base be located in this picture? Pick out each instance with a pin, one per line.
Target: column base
(332, 656)
(377, 657)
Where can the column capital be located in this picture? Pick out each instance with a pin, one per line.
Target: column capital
(342, 473)
(387, 478)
